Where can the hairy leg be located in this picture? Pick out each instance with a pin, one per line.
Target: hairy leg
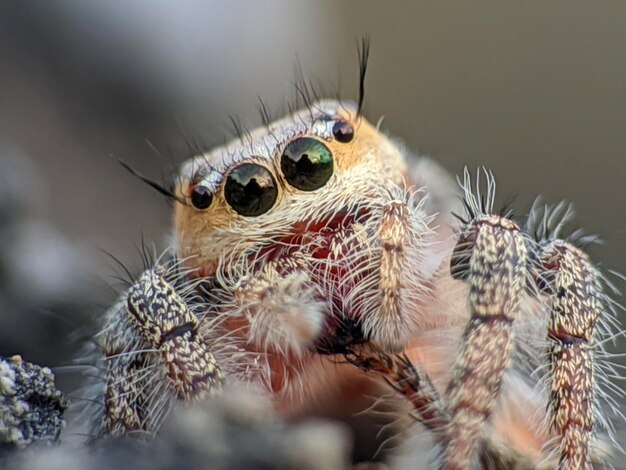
(429, 408)
(491, 256)
(565, 274)
(154, 353)
(166, 323)
(402, 376)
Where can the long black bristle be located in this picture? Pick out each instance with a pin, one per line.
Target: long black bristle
(153, 184)
(506, 210)
(119, 262)
(364, 55)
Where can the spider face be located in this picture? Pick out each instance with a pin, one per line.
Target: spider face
(277, 179)
(305, 195)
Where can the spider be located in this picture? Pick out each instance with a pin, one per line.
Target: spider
(315, 244)
(316, 237)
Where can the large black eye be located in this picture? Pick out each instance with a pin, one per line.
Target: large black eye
(307, 164)
(201, 197)
(250, 189)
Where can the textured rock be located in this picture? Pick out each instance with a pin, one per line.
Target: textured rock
(31, 408)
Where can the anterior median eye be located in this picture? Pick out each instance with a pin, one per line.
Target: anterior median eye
(307, 164)
(250, 189)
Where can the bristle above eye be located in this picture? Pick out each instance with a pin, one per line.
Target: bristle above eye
(364, 54)
(266, 118)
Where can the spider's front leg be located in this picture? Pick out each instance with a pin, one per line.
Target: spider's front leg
(491, 256)
(155, 354)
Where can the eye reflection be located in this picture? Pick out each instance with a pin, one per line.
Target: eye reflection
(307, 164)
(250, 189)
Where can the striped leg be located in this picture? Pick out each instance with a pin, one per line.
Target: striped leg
(155, 354)
(576, 301)
(168, 325)
(491, 256)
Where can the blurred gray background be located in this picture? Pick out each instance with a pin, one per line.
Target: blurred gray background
(534, 90)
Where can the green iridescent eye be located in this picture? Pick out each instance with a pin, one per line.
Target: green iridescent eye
(307, 164)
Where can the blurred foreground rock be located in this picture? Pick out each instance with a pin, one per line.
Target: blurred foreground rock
(239, 430)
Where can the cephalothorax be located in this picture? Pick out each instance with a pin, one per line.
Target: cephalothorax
(316, 237)
(316, 201)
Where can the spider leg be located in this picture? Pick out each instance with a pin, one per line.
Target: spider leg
(402, 375)
(567, 276)
(404, 378)
(122, 404)
(152, 335)
(167, 324)
(491, 256)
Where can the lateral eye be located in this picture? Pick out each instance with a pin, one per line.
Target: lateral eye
(343, 131)
(201, 197)
(307, 164)
(250, 189)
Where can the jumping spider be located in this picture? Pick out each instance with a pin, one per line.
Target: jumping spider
(317, 238)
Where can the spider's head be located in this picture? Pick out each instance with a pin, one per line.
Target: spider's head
(311, 170)
(320, 192)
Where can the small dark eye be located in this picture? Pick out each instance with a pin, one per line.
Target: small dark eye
(343, 131)
(250, 189)
(201, 197)
(307, 164)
